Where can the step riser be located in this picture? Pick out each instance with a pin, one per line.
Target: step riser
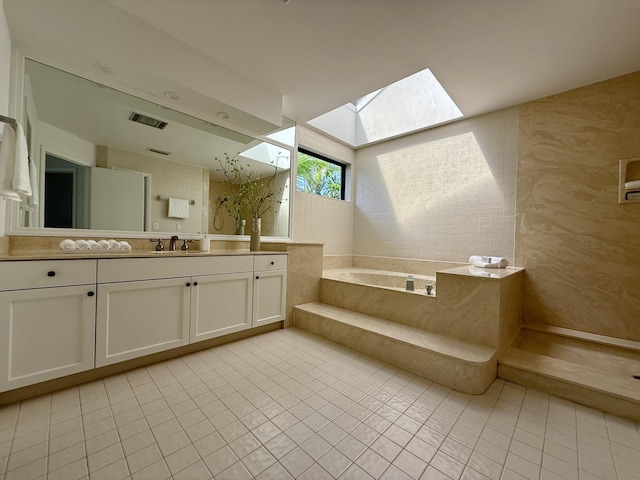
(464, 311)
(456, 374)
(576, 393)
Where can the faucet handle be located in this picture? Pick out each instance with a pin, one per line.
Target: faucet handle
(185, 243)
(159, 246)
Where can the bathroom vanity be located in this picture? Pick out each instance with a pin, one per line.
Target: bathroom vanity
(65, 316)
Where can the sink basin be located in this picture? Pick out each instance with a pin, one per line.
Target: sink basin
(169, 252)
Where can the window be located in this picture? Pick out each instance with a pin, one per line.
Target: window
(320, 175)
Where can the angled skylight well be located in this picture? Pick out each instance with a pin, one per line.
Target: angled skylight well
(413, 103)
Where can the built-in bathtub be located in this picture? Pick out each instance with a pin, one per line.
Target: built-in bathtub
(452, 337)
(381, 278)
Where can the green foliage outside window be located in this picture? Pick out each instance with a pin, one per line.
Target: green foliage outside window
(318, 176)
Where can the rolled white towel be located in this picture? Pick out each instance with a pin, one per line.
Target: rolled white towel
(114, 244)
(632, 185)
(93, 245)
(68, 244)
(125, 246)
(486, 265)
(501, 261)
(488, 262)
(104, 244)
(82, 244)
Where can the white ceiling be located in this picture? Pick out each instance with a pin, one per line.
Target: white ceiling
(316, 55)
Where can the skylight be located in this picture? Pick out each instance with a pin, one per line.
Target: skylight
(413, 103)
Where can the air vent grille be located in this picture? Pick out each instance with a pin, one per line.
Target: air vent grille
(143, 119)
(155, 150)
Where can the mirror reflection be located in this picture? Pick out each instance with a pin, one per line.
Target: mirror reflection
(101, 159)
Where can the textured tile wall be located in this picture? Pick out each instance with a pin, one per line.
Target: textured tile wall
(581, 250)
(441, 194)
(168, 179)
(324, 220)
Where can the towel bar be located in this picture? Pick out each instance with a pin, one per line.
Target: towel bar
(9, 120)
(160, 198)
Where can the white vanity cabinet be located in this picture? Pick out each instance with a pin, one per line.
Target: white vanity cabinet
(47, 320)
(149, 305)
(139, 318)
(220, 304)
(269, 289)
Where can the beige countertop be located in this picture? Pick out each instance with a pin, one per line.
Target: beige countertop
(471, 271)
(59, 255)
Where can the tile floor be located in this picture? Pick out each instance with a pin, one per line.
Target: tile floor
(290, 405)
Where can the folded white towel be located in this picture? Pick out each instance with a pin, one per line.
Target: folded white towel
(68, 244)
(488, 262)
(104, 245)
(125, 246)
(486, 265)
(114, 244)
(82, 244)
(14, 164)
(93, 245)
(178, 208)
(632, 185)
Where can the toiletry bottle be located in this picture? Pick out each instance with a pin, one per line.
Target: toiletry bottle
(410, 283)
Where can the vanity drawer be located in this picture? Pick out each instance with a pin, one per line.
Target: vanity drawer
(131, 269)
(269, 262)
(20, 275)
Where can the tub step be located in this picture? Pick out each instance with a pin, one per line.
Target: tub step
(460, 365)
(577, 382)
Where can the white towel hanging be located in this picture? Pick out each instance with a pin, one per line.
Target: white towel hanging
(178, 208)
(14, 164)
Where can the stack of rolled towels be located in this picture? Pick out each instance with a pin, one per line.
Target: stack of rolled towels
(92, 246)
(488, 262)
(632, 189)
(632, 185)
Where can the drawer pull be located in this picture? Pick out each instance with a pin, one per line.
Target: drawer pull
(51, 273)
(257, 277)
(273, 263)
(90, 294)
(195, 284)
(188, 284)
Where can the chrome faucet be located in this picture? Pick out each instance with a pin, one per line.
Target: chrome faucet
(172, 242)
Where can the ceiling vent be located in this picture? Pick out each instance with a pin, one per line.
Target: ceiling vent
(155, 150)
(143, 119)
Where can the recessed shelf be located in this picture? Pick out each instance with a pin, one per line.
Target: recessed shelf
(629, 173)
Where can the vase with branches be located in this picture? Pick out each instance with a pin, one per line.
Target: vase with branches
(250, 194)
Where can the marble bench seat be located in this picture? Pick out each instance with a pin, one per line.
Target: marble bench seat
(461, 365)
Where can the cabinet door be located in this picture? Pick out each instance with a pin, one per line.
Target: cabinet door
(220, 304)
(45, 333)
(269, 297)
(139, 318)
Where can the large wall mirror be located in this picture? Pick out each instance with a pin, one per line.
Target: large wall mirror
(105, 161)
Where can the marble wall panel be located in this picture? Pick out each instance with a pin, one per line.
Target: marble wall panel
(304, 269)
(580, 248)
(465, 308)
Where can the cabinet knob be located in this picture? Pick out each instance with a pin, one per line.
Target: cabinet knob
(273, 263)
(51, 273)
(90, 294)
(195, 284)
(188, 284)
(257, 277)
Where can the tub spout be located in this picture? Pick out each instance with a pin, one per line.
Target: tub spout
(410, 283)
